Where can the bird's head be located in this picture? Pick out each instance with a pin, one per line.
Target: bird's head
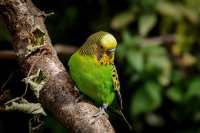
(102, 45)
(107, 48)
(108, 43)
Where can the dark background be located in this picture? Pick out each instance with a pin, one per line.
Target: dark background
(157, 59)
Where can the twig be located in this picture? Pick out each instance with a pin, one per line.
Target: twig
(7, 55)
(61, 49)
(163, 39)
(5, 83)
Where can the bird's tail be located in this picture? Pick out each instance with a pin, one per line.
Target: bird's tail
(119, 99)
(120, 113)
(124, 118)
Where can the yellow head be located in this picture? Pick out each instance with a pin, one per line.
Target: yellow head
(108, 42)
(102, 45)
(108, 45)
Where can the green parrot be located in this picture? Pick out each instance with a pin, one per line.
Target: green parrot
(93, 70)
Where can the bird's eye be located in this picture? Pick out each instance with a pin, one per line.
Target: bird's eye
(108, 52)
(101, 46)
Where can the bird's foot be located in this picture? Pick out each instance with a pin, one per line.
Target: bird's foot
(102, 111)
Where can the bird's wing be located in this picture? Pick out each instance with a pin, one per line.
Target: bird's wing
(116, 84)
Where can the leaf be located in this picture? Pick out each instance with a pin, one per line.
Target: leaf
(136, 60)
(175, 94)
(191, 14)
(188, 60)
(193, 88)
(185, 38)
(157, 62)
(165, 74)
(131, 41)
(177, 77)
(127, 38)
(122, 20)
(146, 98)
(152, 49)
(178, 11)
(154, 120)
(146, 23)
(170, 9)
(154, 91)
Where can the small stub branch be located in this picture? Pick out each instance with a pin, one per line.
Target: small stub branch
(35, 54)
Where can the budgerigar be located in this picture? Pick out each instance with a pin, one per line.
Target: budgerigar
(93, 70)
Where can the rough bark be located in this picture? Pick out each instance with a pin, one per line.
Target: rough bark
(35, 51)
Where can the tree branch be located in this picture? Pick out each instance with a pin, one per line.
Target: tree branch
(163, 39)
(35, 51)
(61, 50)
(7, 55)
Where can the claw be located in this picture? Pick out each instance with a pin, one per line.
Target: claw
(102, 111)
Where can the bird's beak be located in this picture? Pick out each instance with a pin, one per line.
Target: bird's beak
(112, 50)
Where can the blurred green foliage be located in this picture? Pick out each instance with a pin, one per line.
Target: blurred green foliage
(157, 57)
(163, 78)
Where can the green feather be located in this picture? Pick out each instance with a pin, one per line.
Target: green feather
(92, 78)
(94, 73)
